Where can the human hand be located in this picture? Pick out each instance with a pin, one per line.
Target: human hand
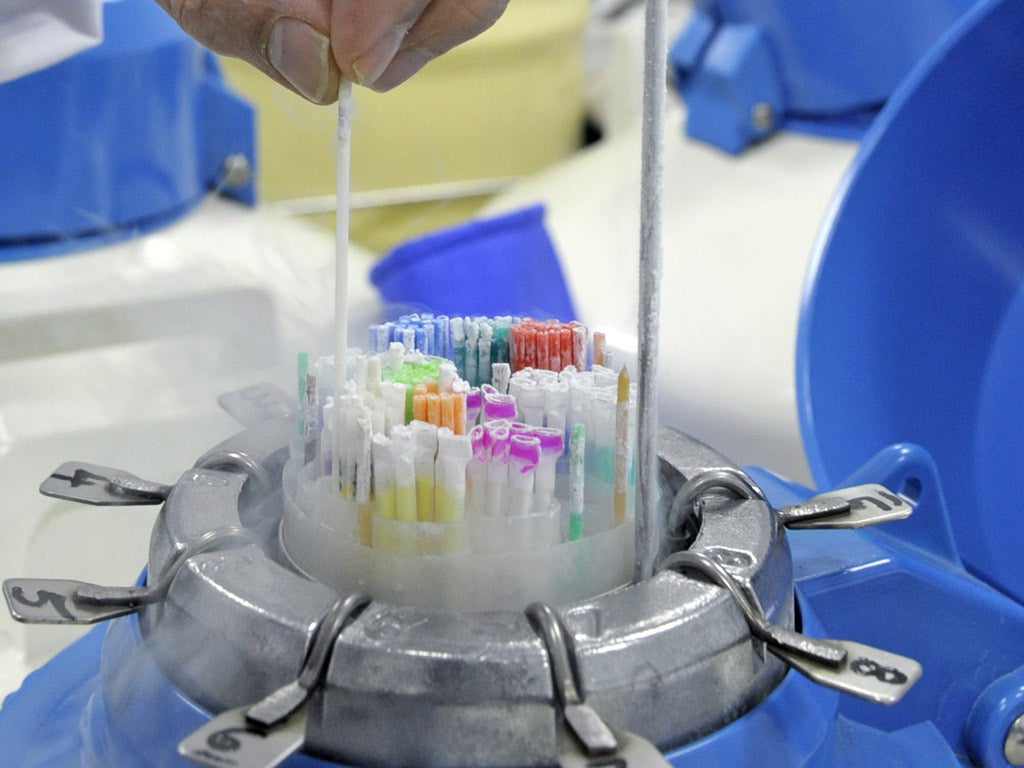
(308, 45)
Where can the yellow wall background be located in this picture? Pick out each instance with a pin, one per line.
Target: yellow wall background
(508, 103)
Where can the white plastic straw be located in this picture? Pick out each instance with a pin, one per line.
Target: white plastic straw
(343, 157)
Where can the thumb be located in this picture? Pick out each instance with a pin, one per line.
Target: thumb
(301, 54)
(294, 48)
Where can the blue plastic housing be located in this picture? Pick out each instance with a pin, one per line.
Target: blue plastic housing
(117, 140)
(823, 67)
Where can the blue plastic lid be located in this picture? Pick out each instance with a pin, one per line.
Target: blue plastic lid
(504, 265)
(119, 139)
(912, 327)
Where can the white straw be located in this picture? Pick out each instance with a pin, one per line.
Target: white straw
(343, 152)
(651, 176)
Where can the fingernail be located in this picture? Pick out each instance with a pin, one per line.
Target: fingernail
(403, 66)
(300, 54)
(371, 65)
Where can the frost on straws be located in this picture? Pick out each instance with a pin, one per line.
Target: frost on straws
(466, 436)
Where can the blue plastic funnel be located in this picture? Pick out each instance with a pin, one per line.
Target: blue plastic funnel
(913, 321)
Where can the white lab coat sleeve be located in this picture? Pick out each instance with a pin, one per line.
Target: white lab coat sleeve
(34, 34)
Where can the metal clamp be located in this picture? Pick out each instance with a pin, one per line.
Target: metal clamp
(67, 601)
(263, 734)
(774, 636)
(101, 486)
(854, 507)
(586, 738)
(229, 460)
(862, 670)
(726, 478)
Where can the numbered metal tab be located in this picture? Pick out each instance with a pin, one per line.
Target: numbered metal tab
(102, 486)
(254, 405)
(868, 673)
(68, 601)
(592, 733)
(55, 601)
(586, 740)
(231, 740)
(263, 734)
(862, 670)
(631, 752)
(855, 507)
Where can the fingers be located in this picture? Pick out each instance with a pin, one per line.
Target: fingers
(287, 39)
(307, 45)
(301, 54)
(366, 34)
(381, 47)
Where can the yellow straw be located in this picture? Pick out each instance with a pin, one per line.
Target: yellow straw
(621, 445)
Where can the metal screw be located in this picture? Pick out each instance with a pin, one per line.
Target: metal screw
(763, 116)
(1013, 747)
(235, 171)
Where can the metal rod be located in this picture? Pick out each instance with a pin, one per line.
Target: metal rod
(649, 309)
